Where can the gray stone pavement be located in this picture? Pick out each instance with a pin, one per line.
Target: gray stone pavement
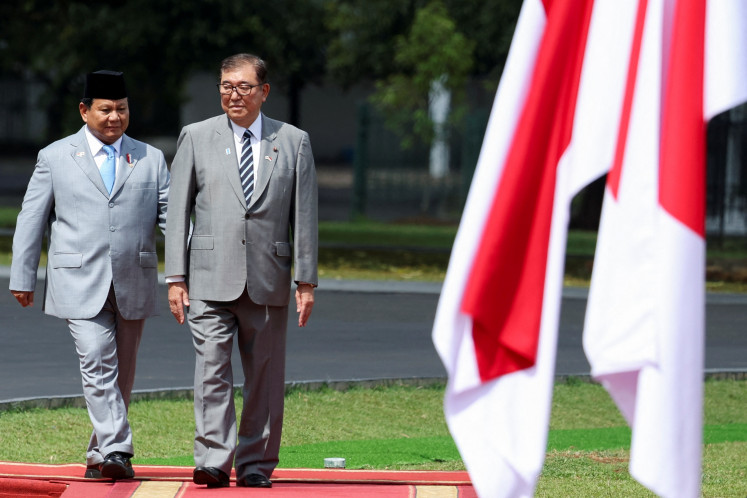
(359, 330)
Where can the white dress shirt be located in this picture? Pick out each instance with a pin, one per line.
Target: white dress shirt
(97, 149)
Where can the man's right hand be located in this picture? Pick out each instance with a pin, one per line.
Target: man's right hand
(178, 299)
(26, 298)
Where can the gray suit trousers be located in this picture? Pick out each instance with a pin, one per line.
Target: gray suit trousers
(260, 332)
(107, 347)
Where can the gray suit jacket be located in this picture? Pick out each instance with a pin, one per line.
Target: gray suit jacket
(235, 246)
(94, 238)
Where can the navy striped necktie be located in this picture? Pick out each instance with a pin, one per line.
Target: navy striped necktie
(246, 167)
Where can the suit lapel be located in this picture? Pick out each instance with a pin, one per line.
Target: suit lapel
(128, 158)
(84, 159)
(227, 157)
(268, 154)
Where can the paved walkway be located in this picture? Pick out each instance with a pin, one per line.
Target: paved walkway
(359, 330)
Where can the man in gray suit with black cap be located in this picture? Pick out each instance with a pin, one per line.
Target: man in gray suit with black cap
(99, 194)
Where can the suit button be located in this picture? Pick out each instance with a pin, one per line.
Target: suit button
(111, 204)
(111, 229)
(243, 242)
(247, 216)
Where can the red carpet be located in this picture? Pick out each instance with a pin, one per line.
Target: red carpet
(16, 488)
(32, 480)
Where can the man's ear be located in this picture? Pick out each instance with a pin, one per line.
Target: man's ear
(83, 112)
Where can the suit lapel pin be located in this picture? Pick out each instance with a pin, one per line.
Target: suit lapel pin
(268, 158)
(80, 154)
(228, 151)
(129, 160)
(274, 149)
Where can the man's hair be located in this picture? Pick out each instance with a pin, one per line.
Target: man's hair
(236, 61)
(87, 101)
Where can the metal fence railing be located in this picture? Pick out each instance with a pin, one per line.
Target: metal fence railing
(391, 182)
(727, 174)
(394, 182)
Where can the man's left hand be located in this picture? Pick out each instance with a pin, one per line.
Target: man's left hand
(304, 302)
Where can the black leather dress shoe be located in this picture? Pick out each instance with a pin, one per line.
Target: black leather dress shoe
(254, 481)
(93, 471)
(213, 477)
(117, 466)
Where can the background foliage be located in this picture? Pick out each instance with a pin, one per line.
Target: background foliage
(159, 44)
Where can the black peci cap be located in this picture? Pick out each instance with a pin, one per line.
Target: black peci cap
(105, 85)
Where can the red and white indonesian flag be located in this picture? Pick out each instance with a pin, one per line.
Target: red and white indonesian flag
(590, 87)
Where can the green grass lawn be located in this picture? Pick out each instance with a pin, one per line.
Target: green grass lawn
(402, 427)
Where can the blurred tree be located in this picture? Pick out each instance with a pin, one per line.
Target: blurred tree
(156, 44)
(490, 24)
(159, 44)
(420, 54)
(361, 47)
(362, 50)
(292, 38)
(432, 62)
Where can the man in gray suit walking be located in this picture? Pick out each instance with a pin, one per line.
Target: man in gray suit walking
(100, 195)
(251, 184)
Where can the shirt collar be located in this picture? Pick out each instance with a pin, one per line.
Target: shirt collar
(255, 128)
(96, 145)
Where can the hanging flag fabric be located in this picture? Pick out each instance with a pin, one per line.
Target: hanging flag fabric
(562, 117)
(498, 397)
(644, 331)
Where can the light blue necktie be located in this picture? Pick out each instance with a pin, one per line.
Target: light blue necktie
(108, 168)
